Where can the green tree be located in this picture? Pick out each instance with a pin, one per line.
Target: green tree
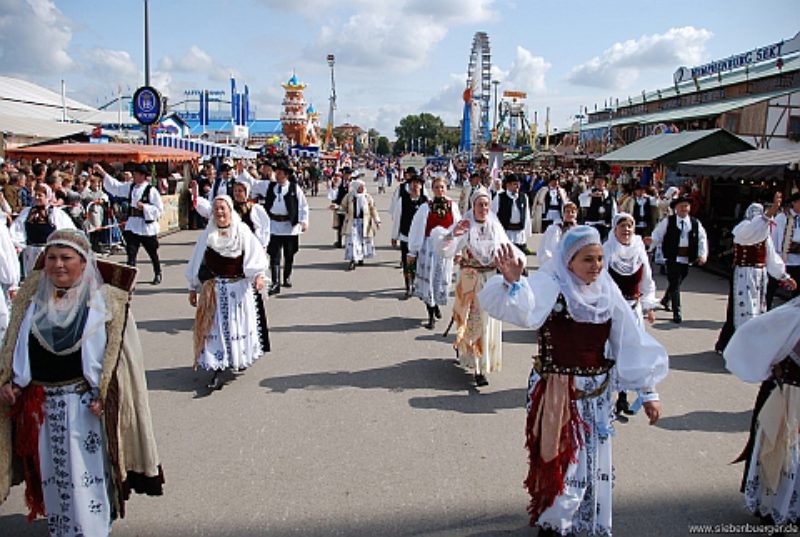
(383, 148)
(421, 133)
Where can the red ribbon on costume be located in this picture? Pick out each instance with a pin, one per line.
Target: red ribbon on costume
(27, 414)
(547, 421)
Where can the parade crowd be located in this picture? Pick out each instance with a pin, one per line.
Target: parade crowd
(73, 401)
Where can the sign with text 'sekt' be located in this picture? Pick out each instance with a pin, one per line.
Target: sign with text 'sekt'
(147, 105)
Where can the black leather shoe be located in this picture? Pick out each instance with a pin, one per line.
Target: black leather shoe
(622, 404)
(157, 278)
(351, 265)
(361, 263)
(677, 318)
(665, 304)
(274, 289)
(287, 282)
(480, 380)
(436, 312)
(216, 382)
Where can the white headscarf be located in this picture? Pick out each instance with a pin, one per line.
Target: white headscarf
(587, 303)
(484, 238)
(228, 241)
(360, 197)
(624, 259)
(754, 228)
(60, 315)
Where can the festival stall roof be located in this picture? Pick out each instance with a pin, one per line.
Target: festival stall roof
(111, 153)
(670, 149)
(755, 164)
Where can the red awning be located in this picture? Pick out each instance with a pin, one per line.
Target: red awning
(110, 153)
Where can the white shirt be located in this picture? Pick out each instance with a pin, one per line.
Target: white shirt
(519, 236)
(152, 210)
(553, 215)
(702, 239)
(279, 207)
(778, 236)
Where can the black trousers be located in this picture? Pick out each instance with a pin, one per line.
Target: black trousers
(150, 245)
(288, 245)
(339, 226)
(676, 273)
(772, 286)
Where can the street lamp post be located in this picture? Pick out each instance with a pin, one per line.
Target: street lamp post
(495, 83)
(147, 60)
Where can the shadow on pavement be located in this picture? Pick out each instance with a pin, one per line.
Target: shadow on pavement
(349, 294)
(388, 324)
(421, 374)
(702, 362)
(666, 324)
(169, 326)
(709, 421)
(160, 290)
(186, 379)
(473, 402)
(674, 516)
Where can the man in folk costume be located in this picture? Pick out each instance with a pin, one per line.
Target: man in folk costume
(754, 258)
(684, 242)
(511, 209)
(410, 200)
(600, 206)
(223, 182)
(786, 239)
(336, 206)
(74, 409)
(144, 210)
(30, 229)
(766, 350)
(361, 223)
(474, 242)
(548, 204)
(434, 272)
(287, 208)
(552, 237)
(225, 272)
(467, 191)
(643, 209)
(587, 338)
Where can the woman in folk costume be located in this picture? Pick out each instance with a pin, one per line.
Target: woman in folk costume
(73, 396)
(625, 258)
(9, 276)
(549, 245)
(227, 262)
(754, 258)
(361, 223)
(766, 349)
(474, 242)
(434, 272)
(34, 224)
(587, 337)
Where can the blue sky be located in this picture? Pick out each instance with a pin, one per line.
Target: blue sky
(394, 57)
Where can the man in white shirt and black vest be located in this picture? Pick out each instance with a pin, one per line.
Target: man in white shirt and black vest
(511, 209)
(402, 214)
(144, 210)
(288, 212)
(600, 207)
(467, 190)
(548, 204)
(223, 182)
(341, 192)
(684, 242)
(786, 238)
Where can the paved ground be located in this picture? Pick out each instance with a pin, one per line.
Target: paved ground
(360, 423)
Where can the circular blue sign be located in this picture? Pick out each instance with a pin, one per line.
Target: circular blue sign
(147, 105)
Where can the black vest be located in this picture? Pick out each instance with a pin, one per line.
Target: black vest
(504, 211)
(222, 187)
(673, 237)
(648, 213)
(53, 368)
(408, 209)
(290, 199)
(593, 213)
(342, 192)
(548, 206)
(135, 211)
(38, 227)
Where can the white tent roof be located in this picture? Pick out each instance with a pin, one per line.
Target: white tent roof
(39, 128)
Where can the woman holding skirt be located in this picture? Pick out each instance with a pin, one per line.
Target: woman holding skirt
(227, 261)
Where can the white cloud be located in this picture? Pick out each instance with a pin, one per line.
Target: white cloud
(620, 65)
(112, 65)
(34, 36)
(527, 73)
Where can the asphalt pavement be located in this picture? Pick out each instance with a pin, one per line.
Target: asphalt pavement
(360, 422)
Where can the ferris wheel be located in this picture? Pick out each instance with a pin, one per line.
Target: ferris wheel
(479, 83)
